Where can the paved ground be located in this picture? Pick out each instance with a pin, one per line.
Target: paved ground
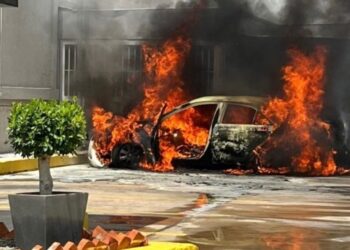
(213, 210)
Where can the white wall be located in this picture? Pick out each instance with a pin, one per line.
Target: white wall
(28, 55)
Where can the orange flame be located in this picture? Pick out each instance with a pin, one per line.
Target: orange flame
(301, 137)
(162, 67)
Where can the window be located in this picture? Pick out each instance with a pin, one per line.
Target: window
(236, 114)
(69, 67)
(131, 62)
(127, 81)
(200, 69)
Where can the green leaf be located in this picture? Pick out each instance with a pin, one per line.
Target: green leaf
(40, 128)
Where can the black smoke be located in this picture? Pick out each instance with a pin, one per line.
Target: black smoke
(249, 39)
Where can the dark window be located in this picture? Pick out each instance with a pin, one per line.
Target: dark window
(131, 69)
(236, 114)
(199, 71)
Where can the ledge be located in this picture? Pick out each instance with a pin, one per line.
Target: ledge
(15, 165)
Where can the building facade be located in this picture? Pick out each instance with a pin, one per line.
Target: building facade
(56, 49)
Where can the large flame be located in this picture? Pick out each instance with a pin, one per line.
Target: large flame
(163, 66)
(302, 141)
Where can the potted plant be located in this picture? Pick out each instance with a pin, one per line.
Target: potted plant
(40, 129)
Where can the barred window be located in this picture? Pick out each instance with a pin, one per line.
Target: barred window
(202, 58)
(131, 63)
(69, 68)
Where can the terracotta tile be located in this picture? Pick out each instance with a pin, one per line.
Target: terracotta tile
(86, 234)
(123, 241)
(55, 246)
(113, 246)
(107, 239)
(85, 244)
(113, 234)
(98, 232)
(3, 229)
(99, 245)
(37, 247)
(70, 246)
(9, 235)
(97, 242)
(137, 238)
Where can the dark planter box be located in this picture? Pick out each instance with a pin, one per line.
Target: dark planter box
(44, 219)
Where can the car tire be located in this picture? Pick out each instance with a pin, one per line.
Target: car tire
(127, 155)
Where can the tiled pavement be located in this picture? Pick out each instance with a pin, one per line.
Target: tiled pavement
(243, 211)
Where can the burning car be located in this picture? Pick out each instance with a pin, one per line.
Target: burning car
(210, 131)
(287, 134)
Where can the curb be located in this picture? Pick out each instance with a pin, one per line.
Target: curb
(21, 165)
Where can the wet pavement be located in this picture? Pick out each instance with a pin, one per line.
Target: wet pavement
(210, 209)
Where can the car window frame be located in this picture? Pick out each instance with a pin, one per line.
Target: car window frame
(257, 112)
(225, 106)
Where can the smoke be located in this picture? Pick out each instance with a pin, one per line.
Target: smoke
(272, 10)
(301, 11)
(249, 39)
(108, 34)
(254, 35)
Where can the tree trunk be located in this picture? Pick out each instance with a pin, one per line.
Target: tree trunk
(46, 183)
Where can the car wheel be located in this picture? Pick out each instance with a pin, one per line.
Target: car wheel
(127, 155)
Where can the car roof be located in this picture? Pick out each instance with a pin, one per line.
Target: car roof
(254, 101)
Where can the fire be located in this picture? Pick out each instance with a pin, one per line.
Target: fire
(302, 141)
(162, 67)
(163, 70)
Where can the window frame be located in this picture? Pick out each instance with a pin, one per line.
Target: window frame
(224, 109)
(128, 68)
(203, 60)
(65, 88)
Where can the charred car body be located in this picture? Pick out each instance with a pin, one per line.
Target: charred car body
(234, 130)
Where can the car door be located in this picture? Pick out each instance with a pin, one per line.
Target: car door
(185, 132)
(238, 132)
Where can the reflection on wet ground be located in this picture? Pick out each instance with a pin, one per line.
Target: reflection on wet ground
(238, 237)
(212, 210)
(122, 223)
(276, 221)
(202, 200)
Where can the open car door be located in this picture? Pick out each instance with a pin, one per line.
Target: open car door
(186, 131)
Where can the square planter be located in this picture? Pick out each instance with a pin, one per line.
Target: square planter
(44, 219)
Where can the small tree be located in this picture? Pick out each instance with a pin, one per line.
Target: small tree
(43, 128)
